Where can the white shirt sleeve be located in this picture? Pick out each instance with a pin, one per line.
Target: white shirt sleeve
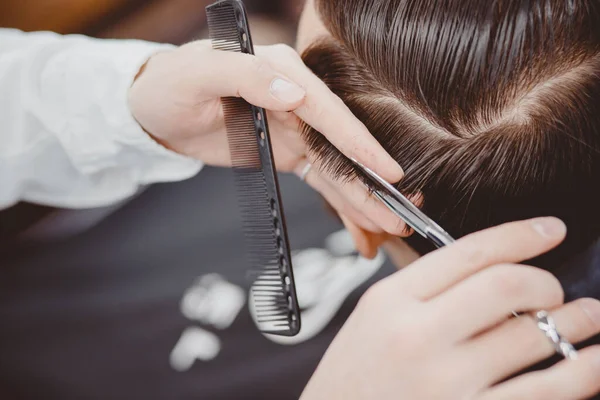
(67, 137)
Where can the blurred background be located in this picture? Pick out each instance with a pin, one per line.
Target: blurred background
(147, 299)
(169, 21)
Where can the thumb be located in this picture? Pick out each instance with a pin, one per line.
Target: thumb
(227, 74)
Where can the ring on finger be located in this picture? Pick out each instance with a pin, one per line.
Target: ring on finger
(562, 346)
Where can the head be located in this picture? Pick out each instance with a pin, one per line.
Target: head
(491, 107)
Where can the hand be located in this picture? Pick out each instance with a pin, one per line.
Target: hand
(176, 99)
(440, 329)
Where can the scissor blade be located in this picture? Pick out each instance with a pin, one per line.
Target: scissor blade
(406, 210)
(402, 212)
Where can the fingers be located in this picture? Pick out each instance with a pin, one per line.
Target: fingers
(518, 343)
(568, 380)
(487, 298)
(509, 243)
(356, 196)
(334, 198)
(359, 198)
(352, 200)
(229, 74)
(328, 114)
(278, 80)
(353, 193)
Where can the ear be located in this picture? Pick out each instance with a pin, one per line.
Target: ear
(367, 243)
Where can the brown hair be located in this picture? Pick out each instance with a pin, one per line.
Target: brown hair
(491, 107)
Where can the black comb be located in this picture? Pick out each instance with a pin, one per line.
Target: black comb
(270, 268)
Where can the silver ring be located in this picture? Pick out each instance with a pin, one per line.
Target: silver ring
(305, 171)
(562, 346)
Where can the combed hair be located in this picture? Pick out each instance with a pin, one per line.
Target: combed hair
(491, 107)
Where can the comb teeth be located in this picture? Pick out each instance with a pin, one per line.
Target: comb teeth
(243, 146)
(223, 27)
(267, 252)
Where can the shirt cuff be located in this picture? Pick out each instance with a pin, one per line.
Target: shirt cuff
(163, 164)
(88, 82)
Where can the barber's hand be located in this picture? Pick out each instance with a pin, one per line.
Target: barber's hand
(440, 329)
(176, 98)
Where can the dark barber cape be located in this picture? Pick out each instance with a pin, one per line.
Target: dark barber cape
(148, 300)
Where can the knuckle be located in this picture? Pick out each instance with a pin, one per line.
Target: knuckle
(285, 50)
(281, 56)
(505, 281)
(588, 324)
(474, 254)
(378, 296)
(374, 296)
(538, 277)
(346, 209)
(260, 65)
(315, 108)
(355, 143)
(518, 280)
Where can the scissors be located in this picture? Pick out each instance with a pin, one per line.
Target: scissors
(427, 228)
(406, 210)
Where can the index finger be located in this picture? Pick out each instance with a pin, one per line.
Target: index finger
(508, 243)
(326, 112)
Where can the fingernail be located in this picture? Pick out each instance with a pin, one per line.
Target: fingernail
(592, 309)
(397, 171)
(550, 227)
(398, 167)
(400, 172)
(287, 91)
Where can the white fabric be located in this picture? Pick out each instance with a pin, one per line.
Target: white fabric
(67, 137)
